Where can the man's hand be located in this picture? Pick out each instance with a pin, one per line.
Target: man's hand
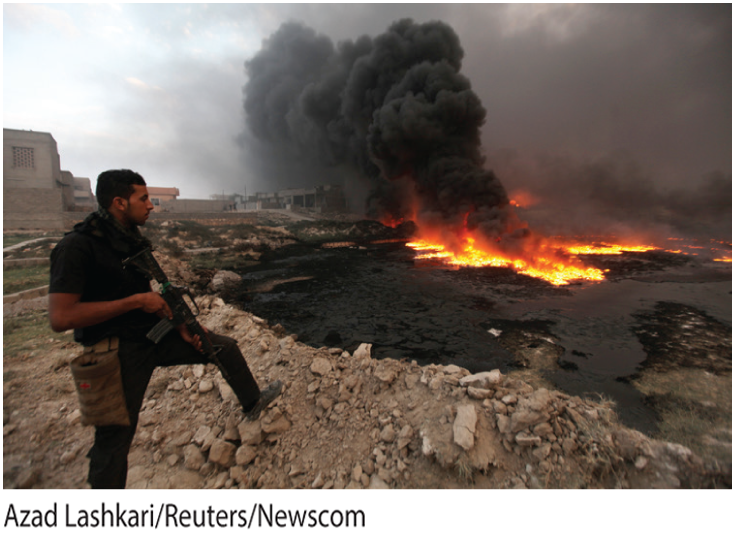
(194, 340)
(152, 302)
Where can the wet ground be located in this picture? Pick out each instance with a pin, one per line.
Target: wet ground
(586, 339)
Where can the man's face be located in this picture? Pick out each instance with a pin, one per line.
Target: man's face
(138, 206)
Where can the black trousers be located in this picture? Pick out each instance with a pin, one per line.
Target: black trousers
(108, 458)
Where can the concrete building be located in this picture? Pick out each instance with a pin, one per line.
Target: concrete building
(84, 200)
(36, 191)
(184, 205)
(160, 195)
(33, 187)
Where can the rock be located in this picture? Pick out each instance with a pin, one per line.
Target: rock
(411, 380)
(531, 410)
(478, 393)
(384, 475)
(405, 436)
(220, 480)
(527, 440)
(275, 422)
(386, 371)
(503, 423)
(138, 475)
(222, 452)
(186, 479)
(388, 434)
(197, 370)
(319, 481)
(147, 418)
(321, 366)
(251, 432)
(226, 392)
(357, 472)
(325, 403)
(245, 455)
(193, 457)
(377, 483)
(453, 369)
(542, 452)
(210, 438)
(201, 434)
(206, 386)
(499, 407)
(231, 433)
(427, 448)
(629, 442)
(237, 474)
(464, 426)
(224, 278)
(482, 380)
(363, 352)
(543, 430)
(181, 439)
(569, 446)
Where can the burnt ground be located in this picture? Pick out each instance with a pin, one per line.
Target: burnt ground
(590, 340)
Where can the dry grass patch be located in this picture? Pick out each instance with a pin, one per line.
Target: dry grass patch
(695, 409)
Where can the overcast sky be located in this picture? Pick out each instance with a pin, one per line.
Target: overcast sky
(158, 88)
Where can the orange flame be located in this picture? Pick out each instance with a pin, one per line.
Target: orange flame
(607, 249)
(553, 260)
(544, 265)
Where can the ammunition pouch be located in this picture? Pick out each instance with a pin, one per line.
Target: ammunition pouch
(98, 382)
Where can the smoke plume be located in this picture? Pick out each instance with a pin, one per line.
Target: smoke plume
(393, 110)
(614, 195)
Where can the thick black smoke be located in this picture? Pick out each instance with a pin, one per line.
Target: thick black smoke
(393, 110)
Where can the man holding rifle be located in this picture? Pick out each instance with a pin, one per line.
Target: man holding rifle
(110, 305)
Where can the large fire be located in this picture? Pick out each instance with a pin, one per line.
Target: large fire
(544, 265)
(553, 260)
(556, 260)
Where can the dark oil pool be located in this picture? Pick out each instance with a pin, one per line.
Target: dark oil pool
(432, 314)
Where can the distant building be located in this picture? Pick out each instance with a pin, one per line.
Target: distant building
(84, 200)
(35, 189)
(159, 195)
(319, 199)
(183, 205)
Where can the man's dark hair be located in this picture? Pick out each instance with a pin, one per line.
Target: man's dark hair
(116, 183)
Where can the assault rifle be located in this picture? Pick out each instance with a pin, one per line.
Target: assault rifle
(182, 312)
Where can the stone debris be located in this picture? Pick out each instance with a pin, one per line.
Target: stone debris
(464, 426)
(224, 279)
